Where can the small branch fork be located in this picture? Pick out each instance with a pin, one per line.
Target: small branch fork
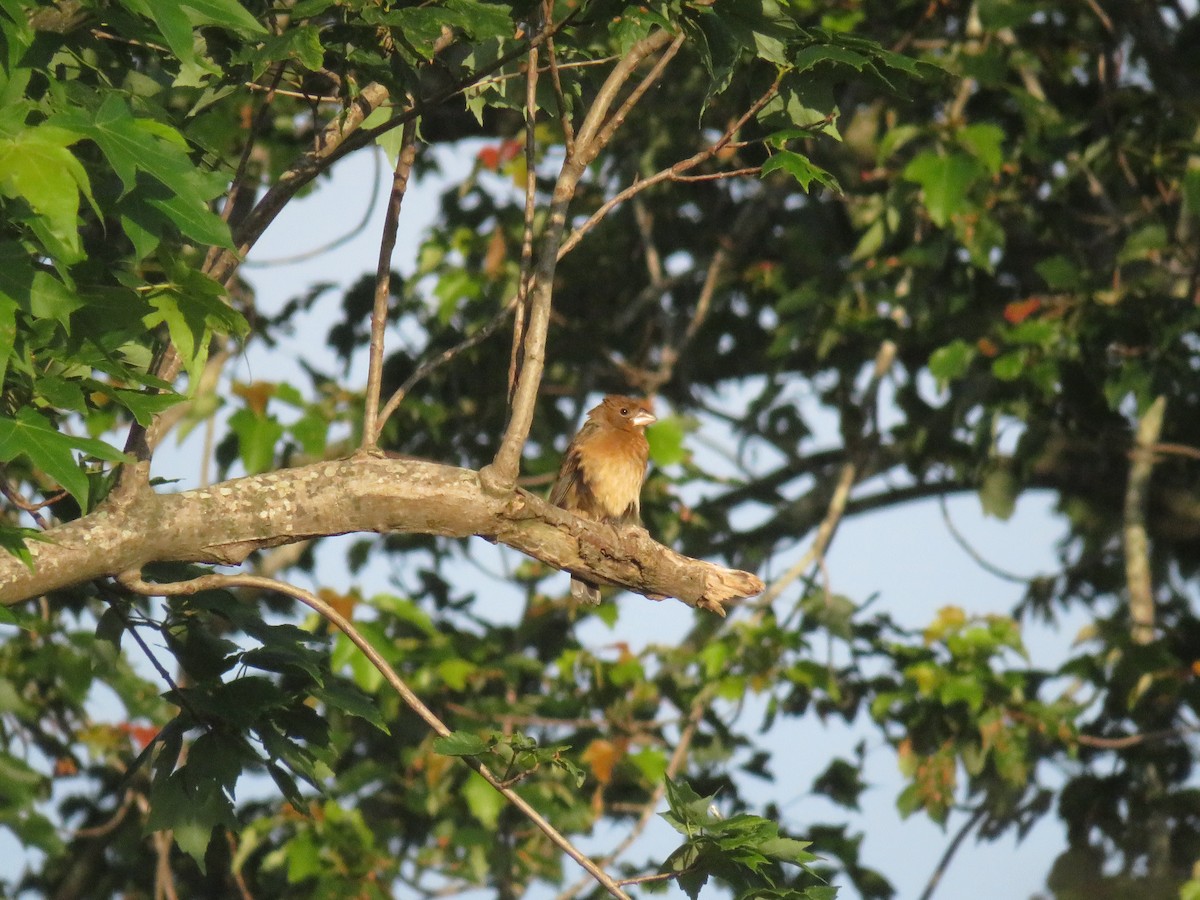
(134, 582)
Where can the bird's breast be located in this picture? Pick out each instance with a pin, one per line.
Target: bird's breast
(613, 466)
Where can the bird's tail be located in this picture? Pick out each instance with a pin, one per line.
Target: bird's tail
(585, 592)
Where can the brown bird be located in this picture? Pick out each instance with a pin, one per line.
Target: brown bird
(601, 473)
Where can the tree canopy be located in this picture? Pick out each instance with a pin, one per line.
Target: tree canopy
(964, 233)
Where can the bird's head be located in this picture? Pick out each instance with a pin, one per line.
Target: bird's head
(627, 413)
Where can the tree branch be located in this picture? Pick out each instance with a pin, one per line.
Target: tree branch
(228, 521)
(525, 280)
(383, 284)
(951, 849)
(1137, 545)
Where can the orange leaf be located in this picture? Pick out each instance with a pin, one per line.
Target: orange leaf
(256, 395)
(511, 149)
(601, 757)
(497, 253)
(342, 603)
(987, 347)
(1020, 310)
(489, 158)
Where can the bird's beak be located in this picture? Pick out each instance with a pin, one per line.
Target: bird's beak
(643, 417)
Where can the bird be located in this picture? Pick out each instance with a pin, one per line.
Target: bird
(601, 474)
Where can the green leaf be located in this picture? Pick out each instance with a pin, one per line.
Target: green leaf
(49, 298)
(191, 814)
(13, 541)
(8, 331)
(800, 167)
(461, 743)
(815, 54)
(257, 437)
(350, 699)
(193, 311)
(132, 145)
(719, 50)
(951, 362)
(484, 801)
(1059, 273)
(110, 627)
(37, 167)
(998, 493)
(31, 435)
(1145, 243)
(193, 219)
(945, 180)
(1009, 366)
(174, 26)
(225, 13)
(666, 440)
(986, 143)
(689, 813)
(302, 44)
(963, 688)
(481, 20)
(144, 406)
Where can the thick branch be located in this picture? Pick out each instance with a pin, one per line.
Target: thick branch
(227, 522)
(1137, 545)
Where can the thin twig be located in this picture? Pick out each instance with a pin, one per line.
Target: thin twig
(526, 278)
(884, 357)
(133, 581)
(1130, 740)
(654, 876)
(164, 878)
(111, 824)
(671, 173)
(436, 362)
(718, 176)
(341, 239)
(342, 135)
(572, 241)
(645, 224)
(1137, 544)
(383, 285)
(670, 354)
(944, 862)
(815, 553)
(239, 880)
(17, 499)
(260, 120)
(564, 117)
(980, 560)
(1175, 450)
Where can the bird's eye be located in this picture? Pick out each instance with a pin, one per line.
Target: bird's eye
(624, 410)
